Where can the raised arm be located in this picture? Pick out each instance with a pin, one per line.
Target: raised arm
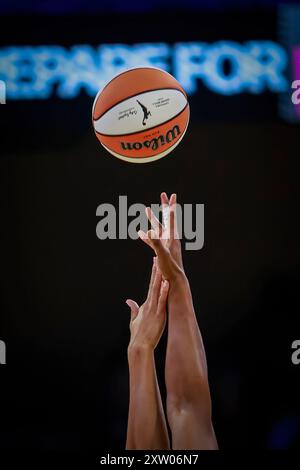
(188, 395)
(147, 427)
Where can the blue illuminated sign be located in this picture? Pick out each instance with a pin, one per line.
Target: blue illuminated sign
(224, 67)
(289, 32)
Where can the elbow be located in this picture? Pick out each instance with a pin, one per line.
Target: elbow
(193, 397)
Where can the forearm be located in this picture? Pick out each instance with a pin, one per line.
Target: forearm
(147, 427)
(185, 350)
(188, 395)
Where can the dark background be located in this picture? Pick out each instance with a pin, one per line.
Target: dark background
(63, 316)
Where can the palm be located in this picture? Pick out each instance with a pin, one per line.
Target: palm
(148, 321)
(140, 326)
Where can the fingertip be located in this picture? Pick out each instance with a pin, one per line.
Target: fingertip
(173, 199)
(164, 198)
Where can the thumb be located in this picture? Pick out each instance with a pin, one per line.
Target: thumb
(157, 245)
(162, 301)
(134, 308)
(143, 236)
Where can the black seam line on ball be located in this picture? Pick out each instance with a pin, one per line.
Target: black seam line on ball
(143, 130)
(137, 94)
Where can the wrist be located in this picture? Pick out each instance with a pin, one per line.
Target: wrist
(137, 349)
(180, 296)
(179, 280)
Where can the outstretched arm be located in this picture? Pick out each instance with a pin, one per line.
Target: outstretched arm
(147, 427)
(188, 396)
(188, 399)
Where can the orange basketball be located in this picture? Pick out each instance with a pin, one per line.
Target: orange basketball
(141, 115)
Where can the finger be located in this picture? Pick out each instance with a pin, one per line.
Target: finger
(162, 301)
(173, 199)
(144, 237)
(134, 308)
(164, 199)
(153, 274)
(173, 225)
(165, 209)
(152, 236)
(154, 294)
(155, 223)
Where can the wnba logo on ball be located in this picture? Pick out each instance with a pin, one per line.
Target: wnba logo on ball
(153, 143)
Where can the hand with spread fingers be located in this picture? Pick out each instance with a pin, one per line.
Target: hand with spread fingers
(166, 232)
(164, 238)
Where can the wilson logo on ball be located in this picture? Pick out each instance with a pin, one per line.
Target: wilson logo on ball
(153, 143)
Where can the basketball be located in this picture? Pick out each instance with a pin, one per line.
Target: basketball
(141, 115)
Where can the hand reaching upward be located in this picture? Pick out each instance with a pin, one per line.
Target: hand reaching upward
(164, 239)
(148, 321)
(188, 396)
